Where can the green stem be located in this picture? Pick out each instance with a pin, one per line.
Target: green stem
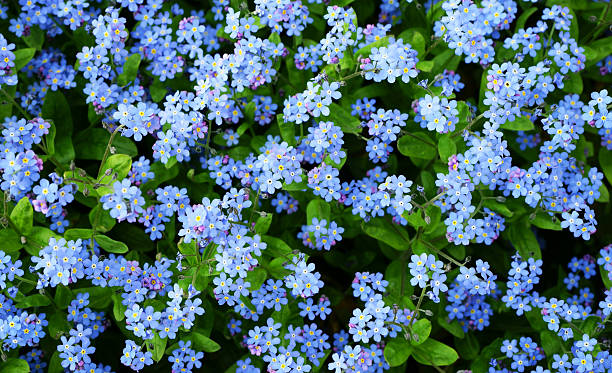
(12, 100)
(254, 207)
(356, 74)
(420, 139)
(432, 46)
(418, 306)
(441, 253)
(108, 146)
(25, 280)
(549, 40)
(469, 126)
(596, 29)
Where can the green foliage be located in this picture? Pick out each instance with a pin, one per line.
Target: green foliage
(56, 108)
(110, 245)
(130, 69)
(14, 365)
(391, 234)
(23, 56)
(397, 351)
(22, 216)
(432, 352)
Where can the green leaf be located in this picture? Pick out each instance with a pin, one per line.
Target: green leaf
(157, 347)
(370, 91)
(118, 307)
(590, 324)
(11, 242)
(597, 50)
(498, 207)
(23, 56)
(348, 61)
(275, 38)
(415, 39)
(36, 300)
(277, 269)
(397, 351)
(163, 174)
(101, 220)
(605, 161)
(50, 139)
(481, 363)
(78, 233)
(190, 250)
(15, 365)
(551, 343)
(446, 147)
(99, 297)
(6, 109)
(83, 182)
(604, 195)
(417, 145)
(432, 352)
(36, 39)
(426, 66)
(295, 186)
(83, 37)
(523, 239)
(573, 83)
(276, 247)
(38, 238)
(544, 221)
(468, 347)
(63, 296)
(56, 108)
(317, 208)
(518, 124)
(110, 245)
(23, 216)
(421, 330)
(58, 325)
(263, 223)
(91, 144)
(329, 161)
(520, 23)
(534, 317)
(452, 327)
(343, 119)
(200, 342)
(256, 277)
(130, 69)
(55, 363)
(249, 114)
(157, 91)
(296, 77)
(258, 142)
(287, 130)
(239, 153)
(392, 234)
(446, 60)
(605, 277)
(119, 164)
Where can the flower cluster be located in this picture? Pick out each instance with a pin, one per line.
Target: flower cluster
(470, 30)
(437, 114)
(325, 235)
(7, 62)
(467, 296)
(384, 126)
